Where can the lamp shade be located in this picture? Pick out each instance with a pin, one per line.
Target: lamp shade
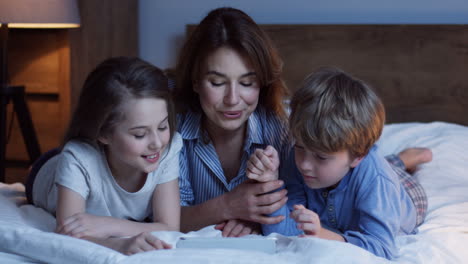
(39, 13)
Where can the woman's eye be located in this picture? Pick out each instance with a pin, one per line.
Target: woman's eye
(246, 84)
(163, 128)
(217, 84)
(139, 136)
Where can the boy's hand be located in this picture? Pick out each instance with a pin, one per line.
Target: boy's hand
(307, 220)
(263, 165)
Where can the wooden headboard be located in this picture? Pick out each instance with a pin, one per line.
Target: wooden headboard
(419, 71)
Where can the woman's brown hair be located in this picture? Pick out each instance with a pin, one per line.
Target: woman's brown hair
(229, 27)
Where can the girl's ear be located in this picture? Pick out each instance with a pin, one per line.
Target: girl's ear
(356, 162)
(103, 140)
(195, 86)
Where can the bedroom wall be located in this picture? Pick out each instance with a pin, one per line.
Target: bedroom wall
(162, 23)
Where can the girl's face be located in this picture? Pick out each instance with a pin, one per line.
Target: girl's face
(322, 170)
(228, 89)
(136, 145)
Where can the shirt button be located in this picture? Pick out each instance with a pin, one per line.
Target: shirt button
(324, 194)
(330, 208)
(332, 220)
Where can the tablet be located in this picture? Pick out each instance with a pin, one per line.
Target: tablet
(264, 244)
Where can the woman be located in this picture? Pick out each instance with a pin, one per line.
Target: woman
(230, 92)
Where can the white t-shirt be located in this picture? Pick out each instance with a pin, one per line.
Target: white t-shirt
(83, 168)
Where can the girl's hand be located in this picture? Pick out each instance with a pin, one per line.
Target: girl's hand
(263, 165)
(82, 225)
(307, 220)
(238, 228)
(142, 243)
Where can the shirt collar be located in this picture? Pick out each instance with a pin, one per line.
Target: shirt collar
(190, 125)
(344, 182)
(255, 128)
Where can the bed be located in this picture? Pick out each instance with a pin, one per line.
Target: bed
(421, 112)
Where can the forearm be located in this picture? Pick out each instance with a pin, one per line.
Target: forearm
(124, 227)
(287, 227)
(381, 246)
(115, 243)
(330, 235)
(211, 212)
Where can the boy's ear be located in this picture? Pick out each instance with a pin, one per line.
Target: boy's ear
(356, 162)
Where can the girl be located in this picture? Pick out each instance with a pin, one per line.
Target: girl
(118, 162)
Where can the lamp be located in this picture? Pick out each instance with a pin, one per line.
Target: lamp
(26, 14)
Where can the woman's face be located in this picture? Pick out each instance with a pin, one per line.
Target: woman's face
(228, 89)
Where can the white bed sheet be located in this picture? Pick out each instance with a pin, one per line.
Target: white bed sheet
(26, 237)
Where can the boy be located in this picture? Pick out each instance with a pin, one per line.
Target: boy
(346, 190)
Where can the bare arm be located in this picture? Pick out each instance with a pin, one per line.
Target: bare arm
(249, 201)
(198, 216)
(68, 203)
(131, 245)
(166, 213)
(166, 206)
(72, 219)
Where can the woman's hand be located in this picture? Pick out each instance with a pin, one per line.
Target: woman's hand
(253, 201)
(238, 228)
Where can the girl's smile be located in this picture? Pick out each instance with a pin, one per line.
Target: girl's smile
(152, 158)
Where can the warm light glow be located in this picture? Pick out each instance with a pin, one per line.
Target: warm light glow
(42, 25)
(39, 13)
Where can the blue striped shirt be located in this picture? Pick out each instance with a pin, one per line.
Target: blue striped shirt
(201, 175)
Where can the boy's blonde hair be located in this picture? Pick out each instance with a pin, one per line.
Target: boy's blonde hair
(333, 111)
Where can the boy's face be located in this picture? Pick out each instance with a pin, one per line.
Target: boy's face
(322, 170)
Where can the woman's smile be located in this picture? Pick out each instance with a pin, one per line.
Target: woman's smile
(232, 114)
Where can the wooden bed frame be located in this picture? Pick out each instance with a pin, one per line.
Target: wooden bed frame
(419, 71)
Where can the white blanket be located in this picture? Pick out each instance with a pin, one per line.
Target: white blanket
(26, 232)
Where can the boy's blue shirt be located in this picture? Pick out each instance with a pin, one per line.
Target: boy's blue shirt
(369, 207)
